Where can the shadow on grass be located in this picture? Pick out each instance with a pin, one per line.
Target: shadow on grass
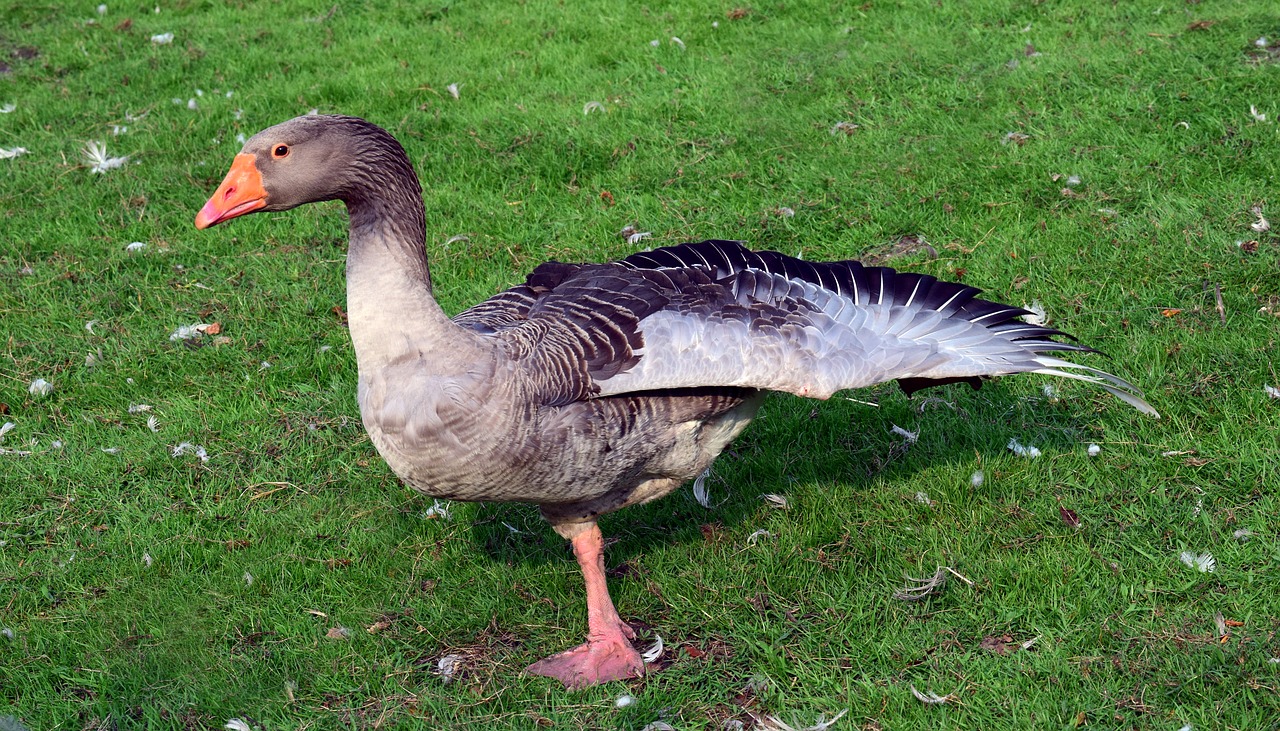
(795, 441)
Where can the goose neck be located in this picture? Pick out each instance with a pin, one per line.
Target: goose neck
(390, 306)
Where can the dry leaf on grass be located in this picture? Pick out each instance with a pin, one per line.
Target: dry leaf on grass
(1069, 517)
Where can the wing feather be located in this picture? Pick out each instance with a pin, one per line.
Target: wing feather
(717, 314)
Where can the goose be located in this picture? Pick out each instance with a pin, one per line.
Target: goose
(593, 387)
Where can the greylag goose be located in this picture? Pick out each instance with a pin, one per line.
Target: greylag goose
(592, 387)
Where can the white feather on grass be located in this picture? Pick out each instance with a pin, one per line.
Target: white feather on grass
(95, 155)
(437, 510)
(12, 152)
(1202, 562)
(931, 698)
(775, 501)
(447, 667)
(1037, 316)
(195, 449)
(700, 489)
(654, 652)
(188, 332)
(1022, 450)
(773, 723)
(910, 437)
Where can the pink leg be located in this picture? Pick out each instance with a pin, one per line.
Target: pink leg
(607, 655)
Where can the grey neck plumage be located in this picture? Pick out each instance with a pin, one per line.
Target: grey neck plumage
(391, 309)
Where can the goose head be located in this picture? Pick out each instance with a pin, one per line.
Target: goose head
(305, 160)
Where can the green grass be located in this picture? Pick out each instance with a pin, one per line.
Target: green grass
(123, 576)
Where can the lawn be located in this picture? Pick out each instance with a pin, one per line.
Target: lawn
(195, 530)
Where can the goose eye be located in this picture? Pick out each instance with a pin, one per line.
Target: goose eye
(280, 151)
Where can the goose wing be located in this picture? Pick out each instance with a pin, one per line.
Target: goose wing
(511, 308)
(718, 314)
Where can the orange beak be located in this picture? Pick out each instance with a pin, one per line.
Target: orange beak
(241, 192)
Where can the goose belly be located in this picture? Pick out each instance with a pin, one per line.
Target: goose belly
(615, 451)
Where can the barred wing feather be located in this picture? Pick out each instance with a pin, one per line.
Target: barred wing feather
(816, 328)
(718, 314)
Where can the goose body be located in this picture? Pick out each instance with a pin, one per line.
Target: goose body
(592, 387)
